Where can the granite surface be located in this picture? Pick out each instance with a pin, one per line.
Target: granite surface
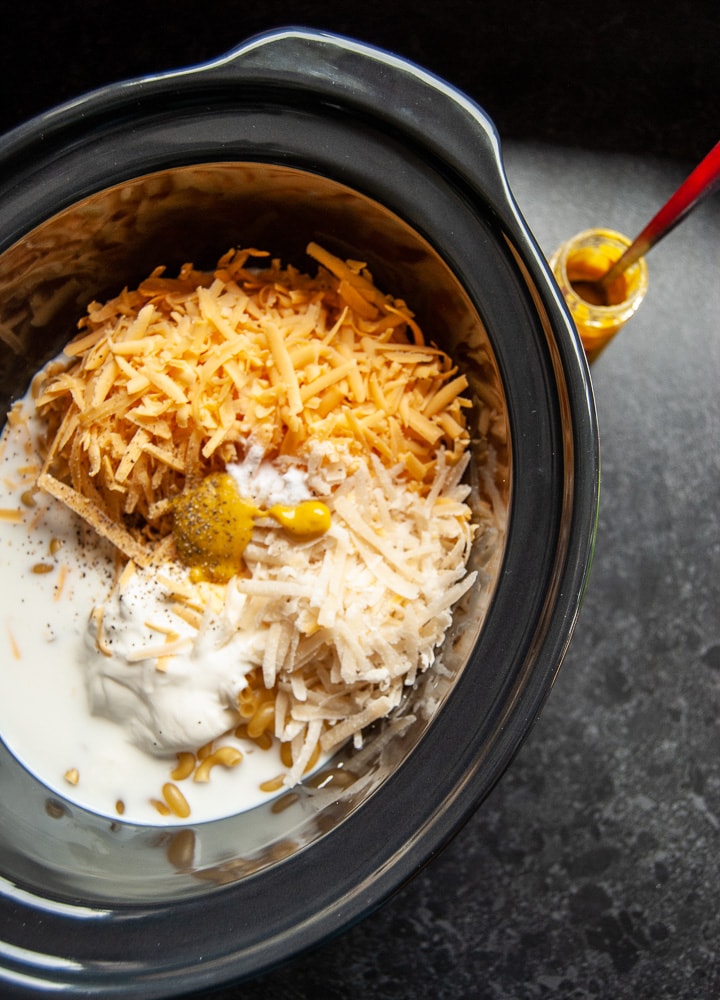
(592, 869)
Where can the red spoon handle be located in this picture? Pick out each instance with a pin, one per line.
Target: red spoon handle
(701, 182)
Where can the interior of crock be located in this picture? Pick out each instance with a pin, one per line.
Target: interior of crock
(115, 238)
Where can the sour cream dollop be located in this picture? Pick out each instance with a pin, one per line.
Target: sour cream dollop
(170, 686)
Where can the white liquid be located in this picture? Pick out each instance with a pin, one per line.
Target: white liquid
(109, 705)
(44, 714)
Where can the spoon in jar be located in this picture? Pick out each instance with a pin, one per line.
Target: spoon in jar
(701, 182)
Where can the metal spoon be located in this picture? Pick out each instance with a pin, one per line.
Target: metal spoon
(700, 183)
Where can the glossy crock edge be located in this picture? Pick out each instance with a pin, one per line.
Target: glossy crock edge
(339, 67)
(290, 56)
(393, 880)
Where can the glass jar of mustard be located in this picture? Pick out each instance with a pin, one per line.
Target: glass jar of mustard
(598, 314)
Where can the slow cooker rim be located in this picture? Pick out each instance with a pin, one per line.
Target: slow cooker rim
(575, 569)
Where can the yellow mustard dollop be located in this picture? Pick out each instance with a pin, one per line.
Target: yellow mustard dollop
(213, 525)
(306, 520)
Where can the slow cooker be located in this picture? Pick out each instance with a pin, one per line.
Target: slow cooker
(298, 135)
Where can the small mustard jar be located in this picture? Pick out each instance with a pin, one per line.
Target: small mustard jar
(599, 313)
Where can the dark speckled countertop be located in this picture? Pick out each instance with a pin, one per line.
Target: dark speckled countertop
(592, 869)
(591, 872)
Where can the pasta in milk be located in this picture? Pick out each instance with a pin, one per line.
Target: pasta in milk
(265, 470)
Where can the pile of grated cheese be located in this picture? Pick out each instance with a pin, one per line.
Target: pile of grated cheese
(174, 379)
(351, 619)
(181, 377)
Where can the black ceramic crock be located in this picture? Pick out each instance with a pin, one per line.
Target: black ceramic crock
(296, 135)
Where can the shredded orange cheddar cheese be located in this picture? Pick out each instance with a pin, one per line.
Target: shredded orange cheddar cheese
(171, 381)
